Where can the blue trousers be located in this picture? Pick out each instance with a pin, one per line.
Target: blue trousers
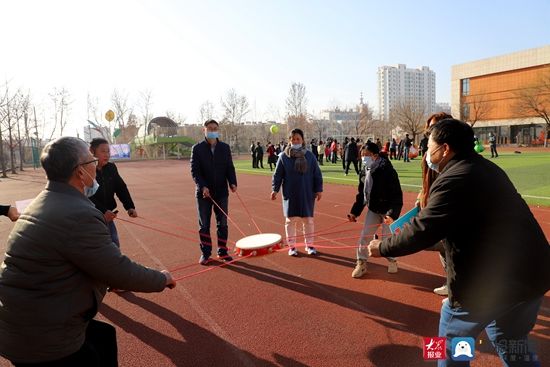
(507, 328)
(114, 233)
(406, 154)
(204, 208)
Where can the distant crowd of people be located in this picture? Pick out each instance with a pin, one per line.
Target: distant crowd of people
(346, 151)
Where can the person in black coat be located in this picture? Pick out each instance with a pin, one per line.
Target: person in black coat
(212, 170)
(351, 155)
(379, 190)
(259, 156)
(110, 183)
(253, 155)
(497, 254)
(314, 149)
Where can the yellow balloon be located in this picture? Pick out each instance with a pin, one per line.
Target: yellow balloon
(109, 115)
(274, 129)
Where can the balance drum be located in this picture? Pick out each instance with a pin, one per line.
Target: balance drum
(258, 244)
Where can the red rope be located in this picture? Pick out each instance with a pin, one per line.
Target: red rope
(211, 268)
(247, 212)
(180, 227)
(228, 218)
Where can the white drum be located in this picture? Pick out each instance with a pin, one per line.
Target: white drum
(259, 244)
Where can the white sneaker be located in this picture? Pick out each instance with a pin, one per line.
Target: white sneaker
(392, 267)
(292, 251)
(442, 291)
(311, 251)
(360, 269)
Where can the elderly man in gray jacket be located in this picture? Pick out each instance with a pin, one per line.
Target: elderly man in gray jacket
(58, 262)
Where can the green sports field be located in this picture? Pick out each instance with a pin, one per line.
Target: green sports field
(529, 171)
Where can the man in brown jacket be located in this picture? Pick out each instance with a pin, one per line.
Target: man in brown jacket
(58, 261)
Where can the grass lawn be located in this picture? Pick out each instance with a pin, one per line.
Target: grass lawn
(529, 171)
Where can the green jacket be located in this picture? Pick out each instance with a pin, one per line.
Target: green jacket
(58, 263)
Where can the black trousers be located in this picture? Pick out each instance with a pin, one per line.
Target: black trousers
(99, 350)
(354, 165)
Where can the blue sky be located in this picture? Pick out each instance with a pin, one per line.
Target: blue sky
(188, 52)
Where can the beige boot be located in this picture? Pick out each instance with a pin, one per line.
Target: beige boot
(392, 267)
(360, 269)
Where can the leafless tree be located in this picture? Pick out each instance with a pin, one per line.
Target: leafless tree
(479, 108)
(272, 113)
(206, 111)
(319, 128)
(130, 130)
(178, 118)
(9, 123)
(296, 106)
(236, 107)
(61, 102)
(409, 116)
(121, 108)
(4, 116)
(366, 119)
(92, 107)
(20, 108)
(535, 101)
(146, 104)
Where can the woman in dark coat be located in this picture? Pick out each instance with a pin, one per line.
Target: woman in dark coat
(380, 191)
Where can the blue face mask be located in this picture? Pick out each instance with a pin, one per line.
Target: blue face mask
(367, 161)
(296, 146)
(212, 135)
(90, 191)
(432, 166)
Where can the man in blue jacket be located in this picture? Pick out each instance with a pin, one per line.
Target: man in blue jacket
(497, 258)
(212, 170)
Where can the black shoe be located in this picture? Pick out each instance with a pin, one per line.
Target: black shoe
(205, 259)
(225, 257)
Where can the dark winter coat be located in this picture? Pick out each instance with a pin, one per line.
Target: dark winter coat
(110, 183)
(385, 196)
(214, 171)
(496, 251)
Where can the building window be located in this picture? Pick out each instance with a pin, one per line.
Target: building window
(465, 111)
(465, 87)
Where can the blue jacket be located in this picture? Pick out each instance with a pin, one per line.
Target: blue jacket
(298, 189)
(213, 171)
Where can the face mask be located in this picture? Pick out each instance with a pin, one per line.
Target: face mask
(296, 146)
(367, 161)
(212, 135)
(90, 191)
(432, 166)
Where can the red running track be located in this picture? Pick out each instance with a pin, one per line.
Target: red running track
(272, 310)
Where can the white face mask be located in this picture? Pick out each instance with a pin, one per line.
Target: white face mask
(296, 146)
(90, 191)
